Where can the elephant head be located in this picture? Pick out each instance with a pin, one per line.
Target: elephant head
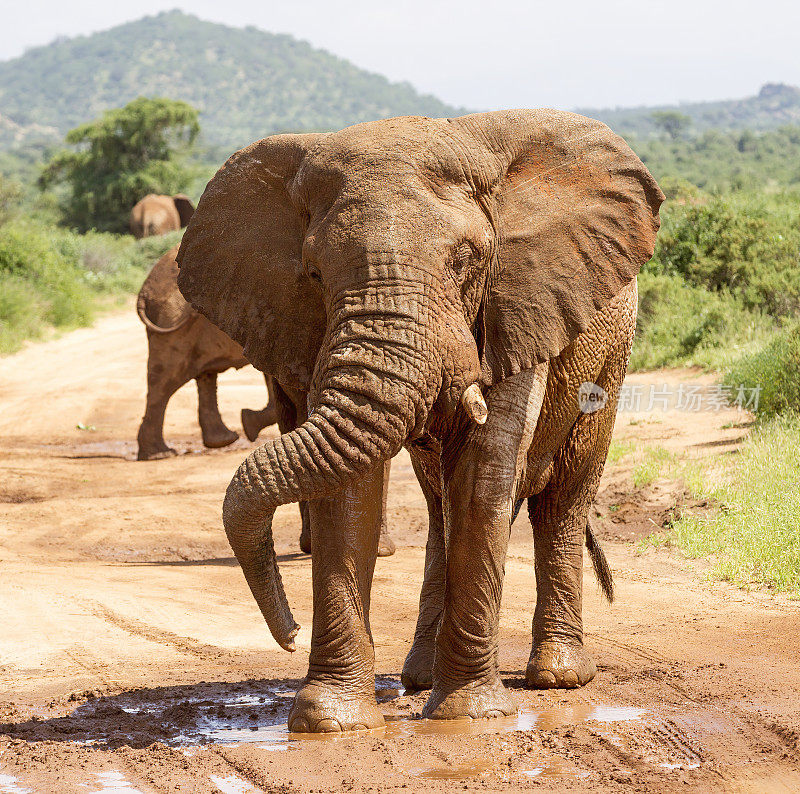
(394, 267)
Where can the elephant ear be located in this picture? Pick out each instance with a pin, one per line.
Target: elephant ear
(185, 208)
(241, 260)
(576, 216)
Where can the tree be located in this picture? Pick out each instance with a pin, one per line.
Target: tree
(120, 157)
(673, 122)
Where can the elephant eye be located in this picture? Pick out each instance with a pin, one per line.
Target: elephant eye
(462, 256)
(313, 273)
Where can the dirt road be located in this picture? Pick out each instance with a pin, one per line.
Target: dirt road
(132, 657)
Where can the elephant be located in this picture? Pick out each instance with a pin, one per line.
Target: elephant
(183, 345)
(452, 286)
(154, 215)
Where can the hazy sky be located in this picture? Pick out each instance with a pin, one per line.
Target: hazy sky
(497, 53)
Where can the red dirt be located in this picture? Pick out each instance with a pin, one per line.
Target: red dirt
(133, 652)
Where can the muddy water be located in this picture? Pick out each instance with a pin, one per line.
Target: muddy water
(279, 738)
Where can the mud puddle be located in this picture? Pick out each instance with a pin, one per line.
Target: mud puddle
(110, 782)
(11, 785)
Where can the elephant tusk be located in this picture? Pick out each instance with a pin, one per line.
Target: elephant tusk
(474, 404)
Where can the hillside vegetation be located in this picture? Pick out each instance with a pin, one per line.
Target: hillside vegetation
(774, 106)
(246, 83)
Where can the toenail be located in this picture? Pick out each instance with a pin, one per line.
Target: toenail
(299, 726)
(328, 726)
(544, 678)
(570, 678)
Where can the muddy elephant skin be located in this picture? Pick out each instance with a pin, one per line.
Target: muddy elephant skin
(155, 214)
(449, 285)
(182, 346)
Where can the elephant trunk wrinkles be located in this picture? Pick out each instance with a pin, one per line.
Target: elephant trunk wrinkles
(376, 383)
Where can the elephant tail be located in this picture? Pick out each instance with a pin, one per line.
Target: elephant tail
(602, 570)
(141, 310)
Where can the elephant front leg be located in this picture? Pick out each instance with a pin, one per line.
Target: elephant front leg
(338, 693)
(215, 432)
(480, 474)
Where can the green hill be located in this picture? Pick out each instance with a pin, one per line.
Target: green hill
(774, 106)
(247, 83)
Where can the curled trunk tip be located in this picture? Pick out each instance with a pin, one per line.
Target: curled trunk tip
(249, 532)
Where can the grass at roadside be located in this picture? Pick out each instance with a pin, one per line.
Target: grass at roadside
(54, 278)
(753, 539)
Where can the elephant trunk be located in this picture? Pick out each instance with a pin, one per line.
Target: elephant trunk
(377, 377)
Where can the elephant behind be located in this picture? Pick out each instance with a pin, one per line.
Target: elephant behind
(182, 346)
(158, 214)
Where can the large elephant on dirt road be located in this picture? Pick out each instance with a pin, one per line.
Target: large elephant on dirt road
(183, 345)
(451, 285)
(156, 214)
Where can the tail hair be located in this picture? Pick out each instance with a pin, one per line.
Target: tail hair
(602, 570)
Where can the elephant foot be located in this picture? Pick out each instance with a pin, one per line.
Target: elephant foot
(418, 665)
(386, 545)
(558, 665)
(253, 422)
(219, 437)
(476, 701)
(325, 709)
(156, 454)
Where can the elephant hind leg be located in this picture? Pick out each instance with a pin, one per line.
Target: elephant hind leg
(215, 432)
(386, 546)
(160, 388)
(560, 520)
(418, 666)
(253, 422)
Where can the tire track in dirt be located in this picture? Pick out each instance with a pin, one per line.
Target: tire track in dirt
(186, 645)
(625, 652)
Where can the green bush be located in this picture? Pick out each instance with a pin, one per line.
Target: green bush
(746, 245)
(680, 324)
(724, 161)
(775, 370)
(10, 198)
(52, 277)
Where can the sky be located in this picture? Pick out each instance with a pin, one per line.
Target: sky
(483, 54)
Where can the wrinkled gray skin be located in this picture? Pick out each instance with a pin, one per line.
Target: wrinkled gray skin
(412, 275)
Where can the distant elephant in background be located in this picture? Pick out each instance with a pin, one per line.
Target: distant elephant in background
(154, 215)
(183, 345)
